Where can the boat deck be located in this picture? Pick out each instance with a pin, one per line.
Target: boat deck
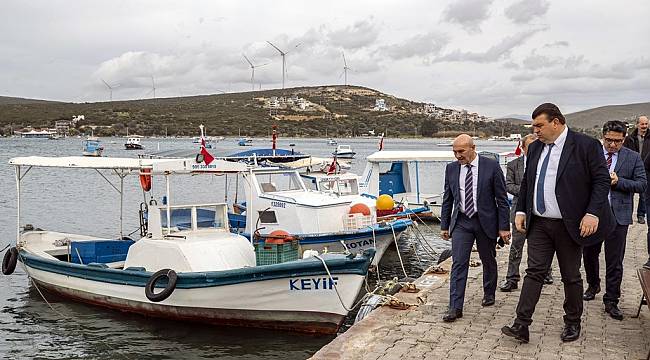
(420, 333)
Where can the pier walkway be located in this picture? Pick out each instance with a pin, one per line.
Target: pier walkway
(420, 333)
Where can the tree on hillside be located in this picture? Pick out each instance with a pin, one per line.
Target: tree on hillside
(428, 128)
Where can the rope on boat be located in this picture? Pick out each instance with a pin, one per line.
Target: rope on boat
(398, 253)
(374, 243)
(5, 248)
(363, 298)
(63, 317)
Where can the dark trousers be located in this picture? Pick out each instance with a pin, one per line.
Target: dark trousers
(465, 232)
(641, 208)
(547, 237)
(516, 251)
(614, 253)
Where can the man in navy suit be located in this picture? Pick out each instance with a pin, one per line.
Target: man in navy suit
(562, 206)
(627, 178)
(474, 207)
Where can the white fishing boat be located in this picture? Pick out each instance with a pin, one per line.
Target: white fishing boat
(331, 142)
(133, 143)
(344, 152)
(278, 199)
(188, 265)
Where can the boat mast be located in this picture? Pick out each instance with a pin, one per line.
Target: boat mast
(17, 204)
(169, 217)
(121, 203)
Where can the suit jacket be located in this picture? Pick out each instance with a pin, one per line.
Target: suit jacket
(632, 142)
(514, 177)
(491, 198)
(631, 179)
(582, 185)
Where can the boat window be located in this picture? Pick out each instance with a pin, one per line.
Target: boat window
(339, 186)
(209, 217)
(268, 217)
(279, 182)
(181, 219)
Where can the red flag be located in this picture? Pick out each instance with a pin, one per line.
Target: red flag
(332, 169)
(207, 157)
(381, 143)
(518, 149)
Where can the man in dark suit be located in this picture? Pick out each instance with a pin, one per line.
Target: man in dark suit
(514, 175)
(627, 177)
(639, 140)
(562, 206)
(474, 207)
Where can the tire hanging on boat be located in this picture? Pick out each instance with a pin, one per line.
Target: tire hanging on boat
(145, 180)
(169, 289)
(9, 261)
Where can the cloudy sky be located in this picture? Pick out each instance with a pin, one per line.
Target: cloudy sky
(495, 57)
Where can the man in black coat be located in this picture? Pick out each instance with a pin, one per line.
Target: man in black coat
(562, 206)
(636, 141)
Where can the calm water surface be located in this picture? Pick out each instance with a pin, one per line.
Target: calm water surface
(80, 201)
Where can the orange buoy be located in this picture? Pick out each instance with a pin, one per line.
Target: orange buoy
(145, 180)
(359, 209)
(278, 237)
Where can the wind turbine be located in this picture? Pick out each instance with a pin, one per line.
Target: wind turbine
(284, 62)
(253, 70)
(153, 88)
(110, 88)
(345, 69)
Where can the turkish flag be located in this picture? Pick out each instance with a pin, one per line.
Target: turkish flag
(207, 158)
(518, 150)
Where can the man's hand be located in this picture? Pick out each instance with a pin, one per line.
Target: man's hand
(613, 177)
(444, 234)
(520, 223)
(505, 236)
(588, 225)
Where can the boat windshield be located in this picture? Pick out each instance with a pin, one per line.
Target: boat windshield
(182, 217)
(338, 186)
(279, 182)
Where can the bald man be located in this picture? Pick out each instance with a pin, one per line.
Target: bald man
(474, 208)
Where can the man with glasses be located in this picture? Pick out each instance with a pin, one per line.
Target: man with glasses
(628, 176)
(636, 141)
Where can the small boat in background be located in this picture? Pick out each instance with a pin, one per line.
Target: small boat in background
(344, 152)
(133, 143)
(245, 142)
(92, 147)
(331, 142)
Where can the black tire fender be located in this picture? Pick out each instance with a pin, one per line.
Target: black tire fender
(169, 289)
(9, 261)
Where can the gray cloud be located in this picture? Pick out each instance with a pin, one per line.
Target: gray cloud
(557, 44)
(576, 67)
(360, 34)
(468, 13)
(495, 53)
(524, 11)
(421, 45)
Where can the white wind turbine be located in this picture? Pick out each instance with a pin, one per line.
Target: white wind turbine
(253, 70)
(153, 88)
(284, 62)
(345, 69)
(110, 88)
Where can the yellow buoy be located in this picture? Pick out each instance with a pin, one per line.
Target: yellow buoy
(385, 202)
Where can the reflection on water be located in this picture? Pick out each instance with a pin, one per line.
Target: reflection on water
(80, 201)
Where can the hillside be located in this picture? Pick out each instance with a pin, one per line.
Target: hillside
(304, 111)
(8, 100)
(515, 121)
(596, 117)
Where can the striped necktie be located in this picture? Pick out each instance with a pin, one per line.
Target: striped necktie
(609, 161)
(469, 192)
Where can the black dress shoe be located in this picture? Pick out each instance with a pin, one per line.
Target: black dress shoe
(647, 265)
(548, 280)
(452, 315)
(591, 292)
(487, 301)
(570, 333)
(508, 286)
(613, 311)
(519, 332)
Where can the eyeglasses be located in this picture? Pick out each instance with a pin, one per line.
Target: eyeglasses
(613, 141)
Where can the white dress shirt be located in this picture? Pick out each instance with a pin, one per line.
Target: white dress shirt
(461, 184)
(611, 169)
(550, 201)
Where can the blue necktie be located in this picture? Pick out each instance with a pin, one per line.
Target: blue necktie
(541, 208)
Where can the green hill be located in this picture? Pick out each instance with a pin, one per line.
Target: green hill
(305, 111)
(596, 117)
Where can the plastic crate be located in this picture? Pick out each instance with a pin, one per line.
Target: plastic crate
(356, 221)
(271, 253)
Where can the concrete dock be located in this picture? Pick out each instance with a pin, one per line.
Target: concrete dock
(420, 333)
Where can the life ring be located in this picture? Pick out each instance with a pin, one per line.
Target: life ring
(145, 180)
(9, 261)
(169, 289)
(199, 158)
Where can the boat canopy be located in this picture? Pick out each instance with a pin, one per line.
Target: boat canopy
(424, 156)
(157, 166)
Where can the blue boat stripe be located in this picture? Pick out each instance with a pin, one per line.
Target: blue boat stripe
(357, 266)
